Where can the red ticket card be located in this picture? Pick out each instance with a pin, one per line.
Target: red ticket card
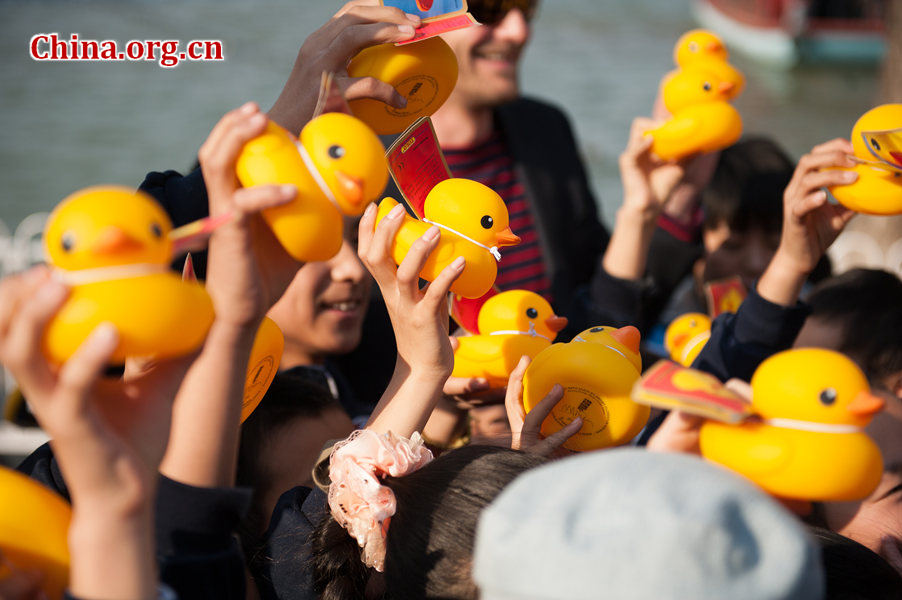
(670, 386)
(434, 28)
(725, 295)
(417, 164)
(465, 311)
(437, 16)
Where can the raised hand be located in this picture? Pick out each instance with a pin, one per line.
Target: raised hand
(525, 428)
(358, 24)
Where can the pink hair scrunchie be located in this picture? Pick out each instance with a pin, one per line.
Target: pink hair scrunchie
(357, 499)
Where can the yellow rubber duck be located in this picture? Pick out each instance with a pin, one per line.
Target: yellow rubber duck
(474, 224)
(338, 167)
(702, 121)
(111, 244)
(266, 354)
(878, 189)
(808, 444)
(686, 336)
(597, 371)
(700, 47)
(512, 324)
(423, 72)
(34, 529)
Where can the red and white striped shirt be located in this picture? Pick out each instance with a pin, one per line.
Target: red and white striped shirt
(490, 163)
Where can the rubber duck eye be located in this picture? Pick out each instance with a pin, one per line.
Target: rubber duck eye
(875, 144)
(827, 396)
(707, 86)
(156, 230)
(693, 46)
(532, 313)
(336, 151)
(596, 329)
(68, 241)
(487, 222)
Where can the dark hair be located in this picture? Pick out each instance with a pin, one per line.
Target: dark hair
(866, 307)
(853, 572)
(290, 396)
(429, 545)
(746, 189)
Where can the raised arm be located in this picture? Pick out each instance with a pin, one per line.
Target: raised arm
(247, 272)
(419, 318)
(108, 437)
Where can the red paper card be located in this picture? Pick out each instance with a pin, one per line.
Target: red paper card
(670, 386)
(434, 28)
(417, 164)
(438, 16)
(725, 295)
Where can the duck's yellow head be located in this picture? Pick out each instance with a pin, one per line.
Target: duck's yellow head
(623, 340)
(686, 335)
(107, 226)
(698, 44)
(694, 85)
(472, 209)
(878, 135)
(349, 157)
(520, 310)
(813, 384)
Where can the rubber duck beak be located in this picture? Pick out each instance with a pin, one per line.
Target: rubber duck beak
(113, 240)
(679, 340)
(897, 158)
(351, 188)
(726, 87)
(556, 323)
(865, 404)
(628, 336)
(713, 47)
(506, 237)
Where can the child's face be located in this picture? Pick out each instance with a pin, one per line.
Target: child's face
(744, 253)
(876, 522)
(321, 312)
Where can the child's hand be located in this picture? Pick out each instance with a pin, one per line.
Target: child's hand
(647, 180)
(108, 436)
(648, 183)
(359, 24)
(248, 270)
(419, 317)
(810, 223)
(525, 428)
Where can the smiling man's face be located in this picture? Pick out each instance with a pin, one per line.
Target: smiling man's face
(488, 57)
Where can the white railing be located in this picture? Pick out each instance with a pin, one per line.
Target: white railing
(19, 250)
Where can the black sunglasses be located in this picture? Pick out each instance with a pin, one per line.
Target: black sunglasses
(491, 12)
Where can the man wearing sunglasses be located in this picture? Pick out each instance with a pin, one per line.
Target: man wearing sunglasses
(522, 148)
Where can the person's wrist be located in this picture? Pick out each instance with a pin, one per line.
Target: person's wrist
(788, 265)
(638, 213)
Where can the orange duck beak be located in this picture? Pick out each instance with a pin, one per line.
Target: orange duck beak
(865, 404)
(628, 336)
(351, 189)
(556, 323)
(726, 87)
(113, 240)
(506, 237)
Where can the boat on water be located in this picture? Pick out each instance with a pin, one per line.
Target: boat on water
(786, 32)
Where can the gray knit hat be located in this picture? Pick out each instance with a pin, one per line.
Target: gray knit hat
(628, 523)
